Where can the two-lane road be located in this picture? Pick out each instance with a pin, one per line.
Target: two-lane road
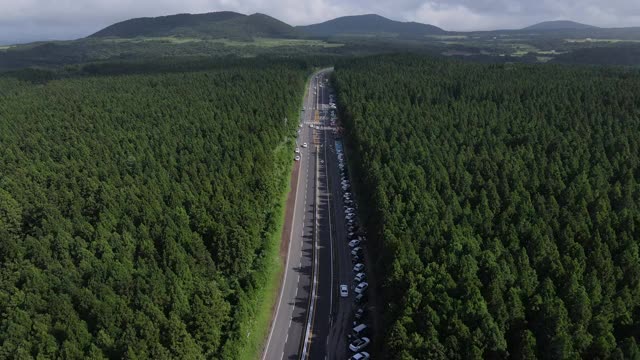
(288, 328)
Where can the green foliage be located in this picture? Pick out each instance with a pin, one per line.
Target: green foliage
(504, 204)
(223, 24)
(135, 210)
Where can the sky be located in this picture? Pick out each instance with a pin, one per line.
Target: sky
(31, 20)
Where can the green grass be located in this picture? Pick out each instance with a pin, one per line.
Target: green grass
(590, 40)
(258, 42)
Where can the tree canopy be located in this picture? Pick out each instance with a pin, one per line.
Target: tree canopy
(134, 210)
(504, 203)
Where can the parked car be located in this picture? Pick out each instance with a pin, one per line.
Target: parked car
(355, 259)
(304, 145)
(356, 251)
(360, 356)
(359, 267)
(362, 287)
(359, 344)
(361, 298)
(359, 314)
(360, 277)
(297, 150)
(344, 290)
(354, 243)
(297, 158)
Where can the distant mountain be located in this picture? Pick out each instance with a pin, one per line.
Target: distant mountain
(559, 25)
(224, 24)
(369, 24)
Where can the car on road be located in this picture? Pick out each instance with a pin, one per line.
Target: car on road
(360, 356)
(349, 216)
(349, 209)
(354, 243)
(355, 259)
(304, 145)
(344, 290)
(351, 222)
(359, 344)
(311, 126)
(356, 251)
(362, 287)
(360, 277)
(297, 150)
(359, 267)
(300, 125)
(346, 195)
(297, 158)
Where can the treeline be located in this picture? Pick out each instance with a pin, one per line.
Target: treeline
(135, 210)
(505, 205)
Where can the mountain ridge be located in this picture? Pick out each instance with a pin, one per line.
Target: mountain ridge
(369, 24)
(559, 25)
(222, 24)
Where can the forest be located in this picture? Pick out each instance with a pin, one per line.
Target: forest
(502, 203)
(135, 209)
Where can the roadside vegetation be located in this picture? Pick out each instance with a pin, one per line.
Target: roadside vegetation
(503, 205)
(139, 213)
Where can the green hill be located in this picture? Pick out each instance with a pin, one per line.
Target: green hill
(559, 25)
(224, 24)
(369, 24)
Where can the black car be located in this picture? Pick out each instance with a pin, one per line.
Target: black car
(355, 259)
(359, 314)
(361, 298)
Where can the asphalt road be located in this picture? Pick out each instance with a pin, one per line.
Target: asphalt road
(288, 329)
(333, 318)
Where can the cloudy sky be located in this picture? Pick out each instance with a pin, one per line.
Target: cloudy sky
(29, 20)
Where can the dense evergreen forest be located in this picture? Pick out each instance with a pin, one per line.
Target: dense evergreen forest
(134, 209)
(505, 205)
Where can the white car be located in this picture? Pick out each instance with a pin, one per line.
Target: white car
(360, 356)
(359, 344)
(297, 158)
(304, 145)
(344, 290)
(297, 150)
(359, 267)
(354, 243)
(311, 126)
(361, 287)
(350, 216)
(360, 277)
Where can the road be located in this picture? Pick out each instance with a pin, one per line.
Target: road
(311, 320)
(288, 328)
(333, 319)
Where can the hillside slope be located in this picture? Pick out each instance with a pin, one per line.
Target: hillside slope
(559, 25)
(369, 24)
(224, 24)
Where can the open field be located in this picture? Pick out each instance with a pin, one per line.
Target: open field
(611, 41)
(258, 42)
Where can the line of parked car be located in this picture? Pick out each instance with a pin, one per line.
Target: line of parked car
(359, 337)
